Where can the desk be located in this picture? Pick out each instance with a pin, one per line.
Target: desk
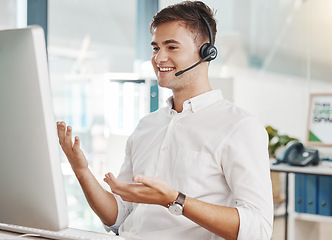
(323, 169)
(6, 235)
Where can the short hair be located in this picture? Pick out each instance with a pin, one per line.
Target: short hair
(189, 13)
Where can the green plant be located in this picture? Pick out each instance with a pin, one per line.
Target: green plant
(276, 140)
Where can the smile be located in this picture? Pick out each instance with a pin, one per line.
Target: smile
(166, 69)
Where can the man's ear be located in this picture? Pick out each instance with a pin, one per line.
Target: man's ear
(208, 51)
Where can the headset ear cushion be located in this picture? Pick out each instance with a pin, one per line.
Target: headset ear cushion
(206, 50)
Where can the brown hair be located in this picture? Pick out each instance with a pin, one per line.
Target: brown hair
(189, 13)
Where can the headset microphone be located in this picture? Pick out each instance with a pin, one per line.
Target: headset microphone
(187, 69)
(208, 51)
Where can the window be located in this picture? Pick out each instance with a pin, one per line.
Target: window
(91, 47)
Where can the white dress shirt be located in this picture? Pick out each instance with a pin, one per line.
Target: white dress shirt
(212, 151)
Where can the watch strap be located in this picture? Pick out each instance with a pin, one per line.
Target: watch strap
(180, 199)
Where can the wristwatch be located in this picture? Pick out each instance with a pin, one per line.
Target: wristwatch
(176, 207)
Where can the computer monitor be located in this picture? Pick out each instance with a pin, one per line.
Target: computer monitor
(31, 183)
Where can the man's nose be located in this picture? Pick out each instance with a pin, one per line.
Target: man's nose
(161, 56)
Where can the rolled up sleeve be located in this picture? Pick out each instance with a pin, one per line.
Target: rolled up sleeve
(124, 209)
(247, 172)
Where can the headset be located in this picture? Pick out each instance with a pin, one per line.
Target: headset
(207, 52)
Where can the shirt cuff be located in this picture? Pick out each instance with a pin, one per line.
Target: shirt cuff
(123, 212)
(252, 225)
(113, 228)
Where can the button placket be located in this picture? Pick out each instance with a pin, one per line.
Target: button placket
(165, 145)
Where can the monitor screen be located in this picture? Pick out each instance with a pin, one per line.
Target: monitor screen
(31, 182)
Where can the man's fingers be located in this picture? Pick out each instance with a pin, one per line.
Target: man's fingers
(68, 137)
(149, 190)
(148, 181)
(128, 192)
(61, 127)
(76, 146)
(109, 178)
(65, 138)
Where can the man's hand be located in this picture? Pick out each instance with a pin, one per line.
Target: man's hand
(101, 201)
(72, 150)
(145, 190)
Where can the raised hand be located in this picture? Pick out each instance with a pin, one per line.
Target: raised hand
(72, 149)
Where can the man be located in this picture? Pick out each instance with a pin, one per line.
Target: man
(201, 157)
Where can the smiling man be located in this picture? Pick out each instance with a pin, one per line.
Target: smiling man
(174, 49)
(197, 169)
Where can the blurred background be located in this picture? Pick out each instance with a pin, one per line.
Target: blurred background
(272, 55)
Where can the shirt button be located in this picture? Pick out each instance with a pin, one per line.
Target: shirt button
(164, 149)
(175, 121)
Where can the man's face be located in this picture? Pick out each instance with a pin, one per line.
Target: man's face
(173, 50)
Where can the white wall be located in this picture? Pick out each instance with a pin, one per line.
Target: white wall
(277, 100)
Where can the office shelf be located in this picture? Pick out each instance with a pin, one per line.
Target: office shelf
(312, 217)
(304, 226)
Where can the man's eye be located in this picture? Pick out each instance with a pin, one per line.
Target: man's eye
(172, 48)
(155, 49)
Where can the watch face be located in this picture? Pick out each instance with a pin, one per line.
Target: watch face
(176, 209)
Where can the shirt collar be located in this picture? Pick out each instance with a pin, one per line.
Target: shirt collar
(197, 103)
